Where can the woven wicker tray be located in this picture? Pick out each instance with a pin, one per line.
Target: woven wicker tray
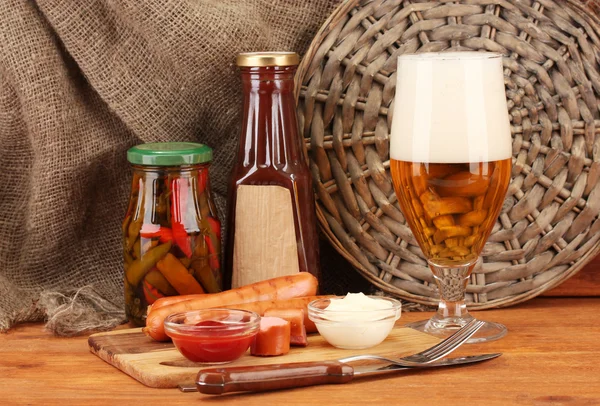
(549, 226)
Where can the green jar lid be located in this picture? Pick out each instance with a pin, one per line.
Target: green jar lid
(169, 154)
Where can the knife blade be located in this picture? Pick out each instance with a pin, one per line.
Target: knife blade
(217, 381)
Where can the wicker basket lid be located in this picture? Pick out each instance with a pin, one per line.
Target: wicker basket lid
(549, 225)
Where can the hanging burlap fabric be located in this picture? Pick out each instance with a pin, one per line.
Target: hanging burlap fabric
(79, 85)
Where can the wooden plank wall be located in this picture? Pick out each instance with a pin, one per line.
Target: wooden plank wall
(584, 283)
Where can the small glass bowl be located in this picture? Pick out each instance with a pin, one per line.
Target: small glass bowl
(354, 329)
(212, 336)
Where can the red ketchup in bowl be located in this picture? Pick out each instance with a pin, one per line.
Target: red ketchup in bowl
(220, 336)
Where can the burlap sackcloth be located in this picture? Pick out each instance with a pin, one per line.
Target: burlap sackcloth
(80, 83)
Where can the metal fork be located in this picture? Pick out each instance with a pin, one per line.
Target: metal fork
(430, 355)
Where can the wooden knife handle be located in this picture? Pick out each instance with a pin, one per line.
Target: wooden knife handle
(216, 381)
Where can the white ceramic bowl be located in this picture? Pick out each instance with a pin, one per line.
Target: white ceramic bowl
(356, 329)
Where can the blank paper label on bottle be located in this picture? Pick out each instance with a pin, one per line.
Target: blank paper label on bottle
(265, 235)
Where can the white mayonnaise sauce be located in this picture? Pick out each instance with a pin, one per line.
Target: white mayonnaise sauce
(357, 321)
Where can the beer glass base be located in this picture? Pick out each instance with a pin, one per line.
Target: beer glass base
(443, 328)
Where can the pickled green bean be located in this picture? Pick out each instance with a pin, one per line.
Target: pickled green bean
(140, 267)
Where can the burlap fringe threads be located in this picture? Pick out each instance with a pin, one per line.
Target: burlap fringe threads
(80, 311)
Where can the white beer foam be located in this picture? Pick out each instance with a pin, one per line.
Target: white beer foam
(450, 108)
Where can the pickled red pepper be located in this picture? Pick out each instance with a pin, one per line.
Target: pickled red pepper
(178, 203)
(150, 293)
(164, 234)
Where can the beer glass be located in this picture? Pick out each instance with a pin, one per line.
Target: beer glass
(450, 164)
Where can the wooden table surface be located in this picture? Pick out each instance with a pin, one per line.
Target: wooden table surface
(551, 356)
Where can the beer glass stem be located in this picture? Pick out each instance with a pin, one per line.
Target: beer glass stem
(452, 284)
(452, 312)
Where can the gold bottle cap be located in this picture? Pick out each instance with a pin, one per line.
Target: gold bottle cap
(268, 59)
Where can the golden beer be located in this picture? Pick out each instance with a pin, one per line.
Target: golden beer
(451, 207)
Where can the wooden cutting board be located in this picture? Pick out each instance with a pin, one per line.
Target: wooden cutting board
(160, 365)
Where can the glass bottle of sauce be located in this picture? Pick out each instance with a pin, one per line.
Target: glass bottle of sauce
(271, 223)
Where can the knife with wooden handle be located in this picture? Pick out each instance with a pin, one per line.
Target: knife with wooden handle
(216, 381)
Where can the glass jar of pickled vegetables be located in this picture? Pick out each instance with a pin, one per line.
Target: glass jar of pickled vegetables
(171, 232)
